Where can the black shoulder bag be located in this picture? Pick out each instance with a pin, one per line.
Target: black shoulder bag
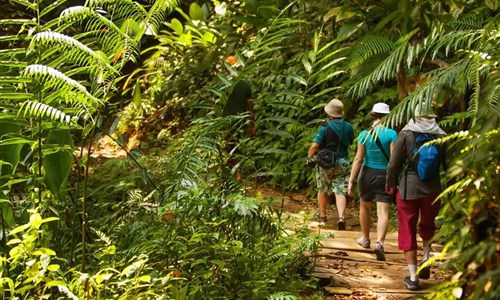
(325, 157)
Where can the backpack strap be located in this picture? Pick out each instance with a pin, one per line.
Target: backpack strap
(330, 129)
(379, 144)
(341, 134)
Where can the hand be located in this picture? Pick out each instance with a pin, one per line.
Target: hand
(350, 188)
(310, 162)
(389, 190)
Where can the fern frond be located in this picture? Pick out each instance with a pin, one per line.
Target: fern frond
(119, 10)
(148, 18)
(57, 80)
(72, 50)
(35, 109)
(474, 81)
(157, 14)
(104, 237)
(387, 69)
(452, 41)
(453, 76)
(467, 22)
(369, 47)
(113, 39)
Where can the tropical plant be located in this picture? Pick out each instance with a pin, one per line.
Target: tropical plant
(53, 83)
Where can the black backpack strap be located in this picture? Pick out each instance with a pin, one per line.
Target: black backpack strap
(379, 144)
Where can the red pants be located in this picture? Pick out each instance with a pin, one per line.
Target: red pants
(408, 212)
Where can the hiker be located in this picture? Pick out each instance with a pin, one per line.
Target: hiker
(369, 168)
(416, 195)
(336, 135)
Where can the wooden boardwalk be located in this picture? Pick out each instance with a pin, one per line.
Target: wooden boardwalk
(346, 267)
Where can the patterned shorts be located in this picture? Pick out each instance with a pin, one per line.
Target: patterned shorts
(335, 179)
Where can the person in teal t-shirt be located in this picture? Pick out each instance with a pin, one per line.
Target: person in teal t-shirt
(369, 167)
(336, 135)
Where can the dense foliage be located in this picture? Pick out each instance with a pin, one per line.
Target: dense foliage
(174, 223)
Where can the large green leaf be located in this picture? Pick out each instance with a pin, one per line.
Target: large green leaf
(57, 166)
(7, 212)
(11, 152)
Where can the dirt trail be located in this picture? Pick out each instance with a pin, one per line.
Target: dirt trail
(347, 270)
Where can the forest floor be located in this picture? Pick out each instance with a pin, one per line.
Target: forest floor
(345, 269)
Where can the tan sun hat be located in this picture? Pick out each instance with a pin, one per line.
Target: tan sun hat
(381, 108)
(335, 108)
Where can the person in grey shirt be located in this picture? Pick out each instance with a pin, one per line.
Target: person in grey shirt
(415, 196)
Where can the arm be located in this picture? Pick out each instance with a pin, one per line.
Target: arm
(398, 154)
(313, 149)
(356, 166)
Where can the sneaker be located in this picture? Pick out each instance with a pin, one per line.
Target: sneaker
(365, 243)
(379, 251)
(410, 284)
(341, 224)
(425, 273)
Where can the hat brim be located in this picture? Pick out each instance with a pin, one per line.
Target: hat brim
(332, 113)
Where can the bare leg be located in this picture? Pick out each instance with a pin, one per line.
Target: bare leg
(341, 202)
(322, 201)
(365, 208)
(382, 221)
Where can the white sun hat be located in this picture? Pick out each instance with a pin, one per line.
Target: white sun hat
(381, 108)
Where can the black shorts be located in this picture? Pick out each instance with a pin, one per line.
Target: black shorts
(371, 185)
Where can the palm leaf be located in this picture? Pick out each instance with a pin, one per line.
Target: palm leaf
(453, 75)
(385, 70)
(452, 41)
(369, 47)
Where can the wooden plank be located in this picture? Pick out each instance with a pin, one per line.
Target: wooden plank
(363, 260)
(346, 240)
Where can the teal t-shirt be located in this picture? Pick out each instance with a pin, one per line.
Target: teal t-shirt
(347, 136)
(374, 157)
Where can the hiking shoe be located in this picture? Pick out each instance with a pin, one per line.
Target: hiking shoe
(365, 243)
(321, 219)
(410, 284)
(341, 224)
(425, 273)
(379, 251)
